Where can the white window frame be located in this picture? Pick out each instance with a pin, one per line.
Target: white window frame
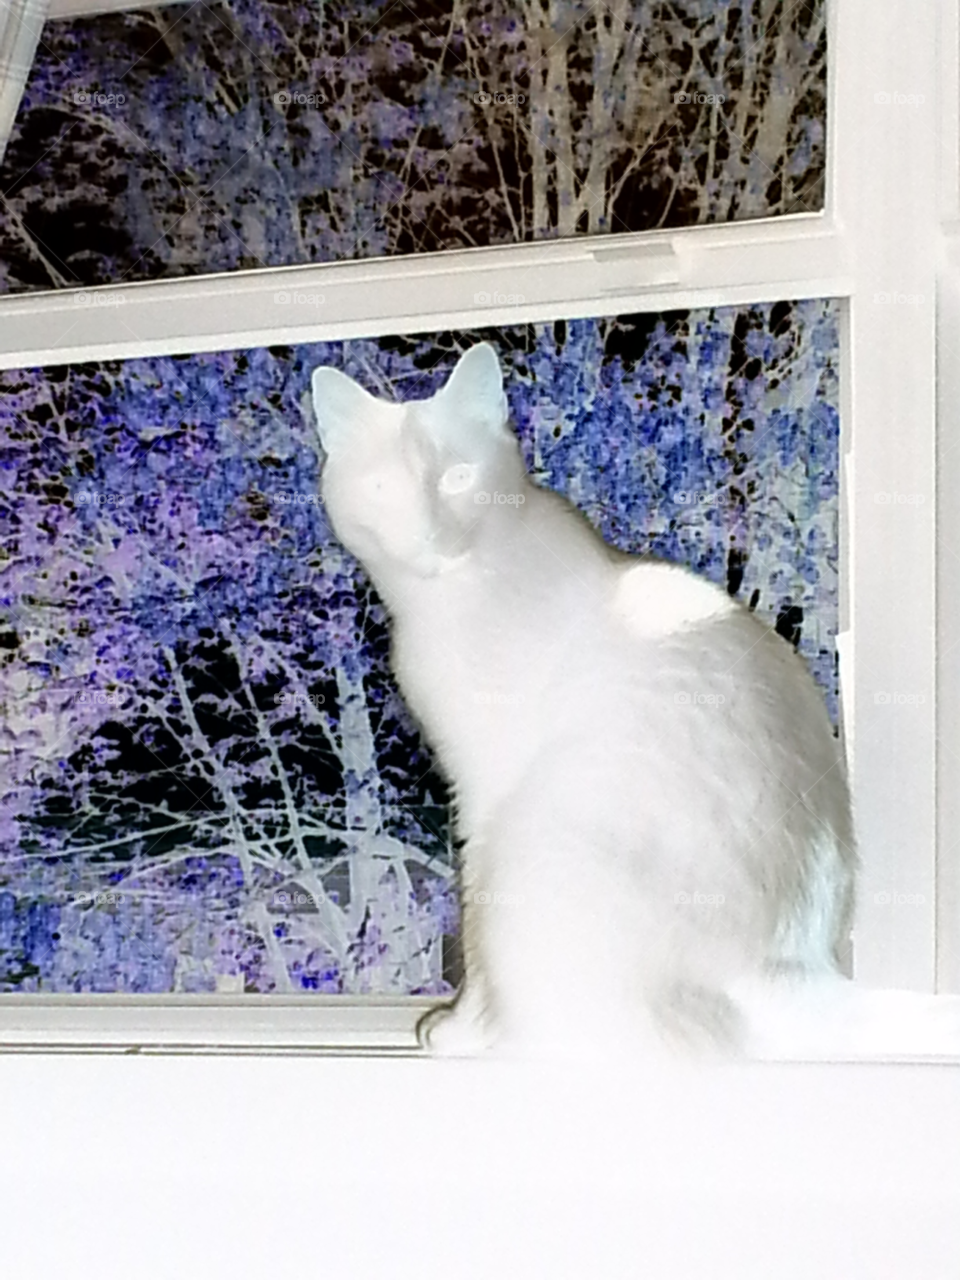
(891, 225)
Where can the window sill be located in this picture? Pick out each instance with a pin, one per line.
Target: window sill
(355, 1026)
(211, 1023)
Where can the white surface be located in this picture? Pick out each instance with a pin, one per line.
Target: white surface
(183, 1168)
(948, 514)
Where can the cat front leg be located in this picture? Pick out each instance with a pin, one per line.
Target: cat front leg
(464, 1028)
(458, 1030)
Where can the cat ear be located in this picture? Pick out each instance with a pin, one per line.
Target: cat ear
(341, 405)
(474, 391)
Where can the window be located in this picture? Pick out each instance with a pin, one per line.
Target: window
(767, 215)
(257, 133)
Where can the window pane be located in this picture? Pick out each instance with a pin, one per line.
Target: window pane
(253, 133)
(208, 780)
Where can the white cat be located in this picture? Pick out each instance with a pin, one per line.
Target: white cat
(658, 840)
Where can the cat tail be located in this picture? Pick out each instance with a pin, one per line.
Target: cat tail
(830, 1018)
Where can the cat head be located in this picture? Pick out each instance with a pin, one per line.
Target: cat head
(406, 486)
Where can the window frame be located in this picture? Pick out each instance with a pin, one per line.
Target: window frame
(890, 226)
(948, 515)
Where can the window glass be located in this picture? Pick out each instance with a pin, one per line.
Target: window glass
(250, 133)
(207, 778)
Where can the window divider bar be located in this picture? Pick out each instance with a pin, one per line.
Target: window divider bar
(706, 266)
(885, 184)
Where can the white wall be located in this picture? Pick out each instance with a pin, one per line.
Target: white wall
(207, 1167)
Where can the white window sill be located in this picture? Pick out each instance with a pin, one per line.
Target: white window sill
(367, 1026)
(213, 1023)
(262, 1167)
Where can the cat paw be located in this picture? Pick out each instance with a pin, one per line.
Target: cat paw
(450, 1033)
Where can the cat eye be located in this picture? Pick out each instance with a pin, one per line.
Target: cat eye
(713, 301)
(458, 478)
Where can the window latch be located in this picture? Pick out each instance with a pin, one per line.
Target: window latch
(639, 265)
